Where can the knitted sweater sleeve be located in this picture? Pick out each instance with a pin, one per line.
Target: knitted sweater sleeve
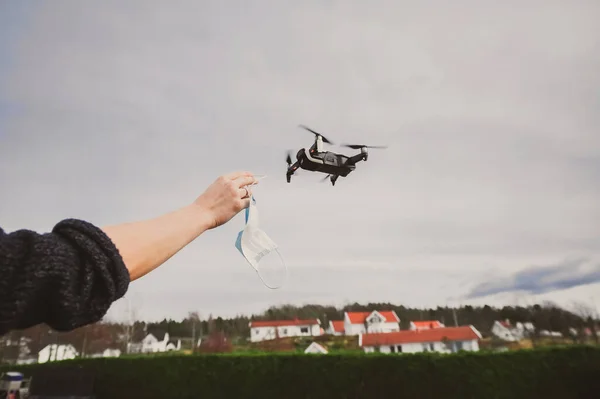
(66, 278)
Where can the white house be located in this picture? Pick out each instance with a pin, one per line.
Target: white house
(54, 352)
(21, 348)
(356, 323)
(443, 340)
(336, 327)
(111, 353)
(263, 330)
(17, 350)
(150, 344)
(573, 332)
(316, 348)
(107, 353)
(523, 330)
(425, 325)
(504, 330)
(554, 334)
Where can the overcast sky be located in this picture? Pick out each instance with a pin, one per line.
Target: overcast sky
(119, 111)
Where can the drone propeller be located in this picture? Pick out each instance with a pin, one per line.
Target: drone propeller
(325, 140)
(359, 146)
(288, 159)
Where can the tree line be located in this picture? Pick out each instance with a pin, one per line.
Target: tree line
(99, 336)
(545, 316)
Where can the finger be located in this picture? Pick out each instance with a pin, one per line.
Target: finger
(245, 181)
(245, 192)
(235, 175)
(245, 203)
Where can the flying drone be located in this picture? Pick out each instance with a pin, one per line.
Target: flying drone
(315, 159)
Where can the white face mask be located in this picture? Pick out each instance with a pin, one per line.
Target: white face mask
(254, 244)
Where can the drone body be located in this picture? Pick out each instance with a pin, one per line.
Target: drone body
(315, 159)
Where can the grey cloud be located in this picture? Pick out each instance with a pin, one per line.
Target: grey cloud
(543, 279)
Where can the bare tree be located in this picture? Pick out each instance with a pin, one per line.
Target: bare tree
(194, 317)
(131, 316)
(588, 314)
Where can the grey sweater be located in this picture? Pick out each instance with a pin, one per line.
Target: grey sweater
(66, 278)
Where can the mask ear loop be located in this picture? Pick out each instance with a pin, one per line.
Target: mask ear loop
(286, 274)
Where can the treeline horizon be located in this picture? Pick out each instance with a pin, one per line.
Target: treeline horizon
(544, 316)
(108, 334)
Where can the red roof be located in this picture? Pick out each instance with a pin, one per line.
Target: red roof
(427, 324)
(283, 323)
(360, 317)
(463, 333)
(338, 325)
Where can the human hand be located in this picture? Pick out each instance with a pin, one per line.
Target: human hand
(226, 197)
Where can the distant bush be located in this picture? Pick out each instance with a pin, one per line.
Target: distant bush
(565, 373)
(216, 342)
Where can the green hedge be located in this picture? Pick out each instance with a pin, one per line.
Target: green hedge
(572, 372)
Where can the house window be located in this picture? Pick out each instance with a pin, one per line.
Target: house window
(431, 347)
(392, 349)
(459, 346)
(399, 348)
(304, 330)
(284, 331)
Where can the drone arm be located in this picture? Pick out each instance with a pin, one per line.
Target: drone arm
(356, 158)
(290, 171)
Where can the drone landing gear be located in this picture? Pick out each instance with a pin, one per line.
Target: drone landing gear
(332, 179)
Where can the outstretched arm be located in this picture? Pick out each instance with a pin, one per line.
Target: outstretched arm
(148, 244)
(70, 277)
